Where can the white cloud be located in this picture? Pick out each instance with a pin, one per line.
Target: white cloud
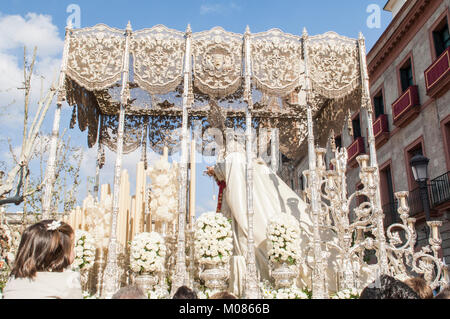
(206, 206)
(210, 8)
(32, 30)
(219, 8)
(15, 33)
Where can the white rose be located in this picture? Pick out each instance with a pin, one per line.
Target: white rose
(162, 180)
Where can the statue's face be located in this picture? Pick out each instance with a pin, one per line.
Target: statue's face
(217, 60)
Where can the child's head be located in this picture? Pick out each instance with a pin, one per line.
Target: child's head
(420, 286)
(45, 246)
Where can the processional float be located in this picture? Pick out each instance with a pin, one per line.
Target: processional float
(135, 88)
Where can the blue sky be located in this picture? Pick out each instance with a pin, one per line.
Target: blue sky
(48, 19)
(345, 17)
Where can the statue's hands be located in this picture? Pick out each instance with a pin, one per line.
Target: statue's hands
(209, 171)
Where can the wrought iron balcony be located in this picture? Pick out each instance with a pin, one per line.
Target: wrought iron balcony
(355, 149)
(437, 76)
(406, 107)
(439, 195)
(391, 215)
(381, 130)
(440, 190)
(415, 202)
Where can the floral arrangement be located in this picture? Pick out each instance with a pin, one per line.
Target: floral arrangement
(147, 253)
(213, 243)
(6, 256)
(269, 292)
(204, 292)
(84, 250)
(5, 246)
(350, 293)
(163, 194)
(158, 292)
(283, 233)
(9, 242)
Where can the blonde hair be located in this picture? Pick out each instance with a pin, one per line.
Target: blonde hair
(420, 286)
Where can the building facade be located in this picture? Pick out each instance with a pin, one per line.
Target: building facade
(409, 70)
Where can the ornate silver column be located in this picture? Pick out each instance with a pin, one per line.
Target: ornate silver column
(144, 143)
(319, 278)
(274, 149)
(251, 290)
(180, 277)
(367, 105)
(51, 162)
(112, 272)
(100, 158)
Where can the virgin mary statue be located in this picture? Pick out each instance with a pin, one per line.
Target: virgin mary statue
(271, 198)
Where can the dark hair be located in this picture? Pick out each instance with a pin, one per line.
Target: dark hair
(41, 249)
(129, 292)
(444, 293)
(387, 287)
(420, 286)
(223, 295)
(185, 293)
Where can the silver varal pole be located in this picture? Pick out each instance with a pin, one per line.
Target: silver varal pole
(112, 272)
(318, 276)
(251, 290)
(51, 163)
(99, 159)
(366, 103)
(180, 277)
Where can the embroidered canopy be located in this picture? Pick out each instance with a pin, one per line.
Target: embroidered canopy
(282, 69)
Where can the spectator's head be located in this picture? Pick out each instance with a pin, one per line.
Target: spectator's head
(387, 287)
(185, 293)
(129, 292)
(223, 295)
(444, 293)
(420, 286)
(44, 246)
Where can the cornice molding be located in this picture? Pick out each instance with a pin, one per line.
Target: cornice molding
(398, 34)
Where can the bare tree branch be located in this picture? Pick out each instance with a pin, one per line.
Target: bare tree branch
(29, 141)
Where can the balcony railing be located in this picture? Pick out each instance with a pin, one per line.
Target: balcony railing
(440, 190)
(391, 215)
(381, 129)
(436, 76)
(415, 202)
(355, 149)
(405, 107)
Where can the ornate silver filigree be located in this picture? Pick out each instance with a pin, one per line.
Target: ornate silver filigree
(215, 276)
(284, 275)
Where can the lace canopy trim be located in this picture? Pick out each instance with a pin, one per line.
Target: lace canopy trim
(158, 59)
(277, 62)
(95, 63)
(333, 63)
(96, 56)
(217, 61)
